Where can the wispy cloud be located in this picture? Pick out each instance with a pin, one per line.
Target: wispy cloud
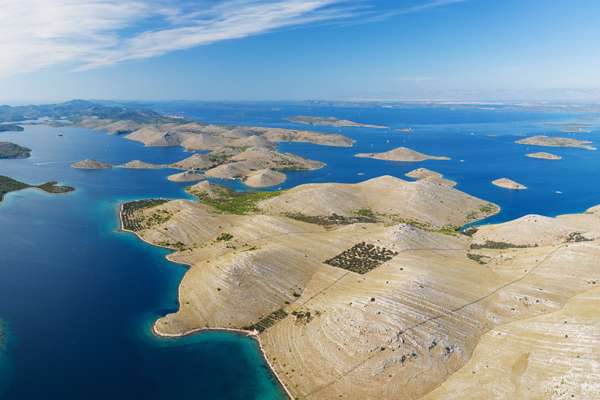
(91, 33)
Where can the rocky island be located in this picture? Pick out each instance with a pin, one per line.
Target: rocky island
(8, 185)
(11, 150)
(332, 121)
(544, 156)
(403, 154)
(551, 141)
(257, 167)
(195, 136)
(244, 165)
(390, 293)
(91, 164)
(506, 183)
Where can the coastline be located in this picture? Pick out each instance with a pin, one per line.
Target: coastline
(241, 332)
(251, 334)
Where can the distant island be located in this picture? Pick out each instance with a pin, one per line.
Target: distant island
(506, 183)
(246, 163)
(551, 141)
(401, 154)
(11, 128)
(575, 127)
(91, 164)
(255, 167)
(11, 150)
(8, 185)
(332, 121)
(544, 156)
(233, 152)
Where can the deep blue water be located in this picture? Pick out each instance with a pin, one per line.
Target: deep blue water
(480, 141)
(78, 297)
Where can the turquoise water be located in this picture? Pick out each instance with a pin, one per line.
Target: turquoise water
(79, 296)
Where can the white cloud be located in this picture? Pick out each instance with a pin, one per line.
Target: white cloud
(232, 20)
(39, 33)
(91, 33)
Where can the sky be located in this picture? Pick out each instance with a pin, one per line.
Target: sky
(468, 50)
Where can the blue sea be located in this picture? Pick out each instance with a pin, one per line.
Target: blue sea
(78, 297)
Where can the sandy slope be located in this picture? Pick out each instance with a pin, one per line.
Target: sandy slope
(264, 178)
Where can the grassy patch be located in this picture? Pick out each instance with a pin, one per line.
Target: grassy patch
(230, 202)
(484, 211)
(488, 208)
(451, 230)
(267, 321)
(490, 244)
(333, 219)
(478, 258)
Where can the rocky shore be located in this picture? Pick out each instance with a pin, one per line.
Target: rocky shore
(506, 183)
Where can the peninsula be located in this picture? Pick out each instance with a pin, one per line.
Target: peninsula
(401, 154)
(8, 185)
(506, 183)
(11, 128)
(432, 176)
(332, 121)
(138, 164)
(544, 156)
(187, 176)
(551, 141)
(11, 150)
(390, 292)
